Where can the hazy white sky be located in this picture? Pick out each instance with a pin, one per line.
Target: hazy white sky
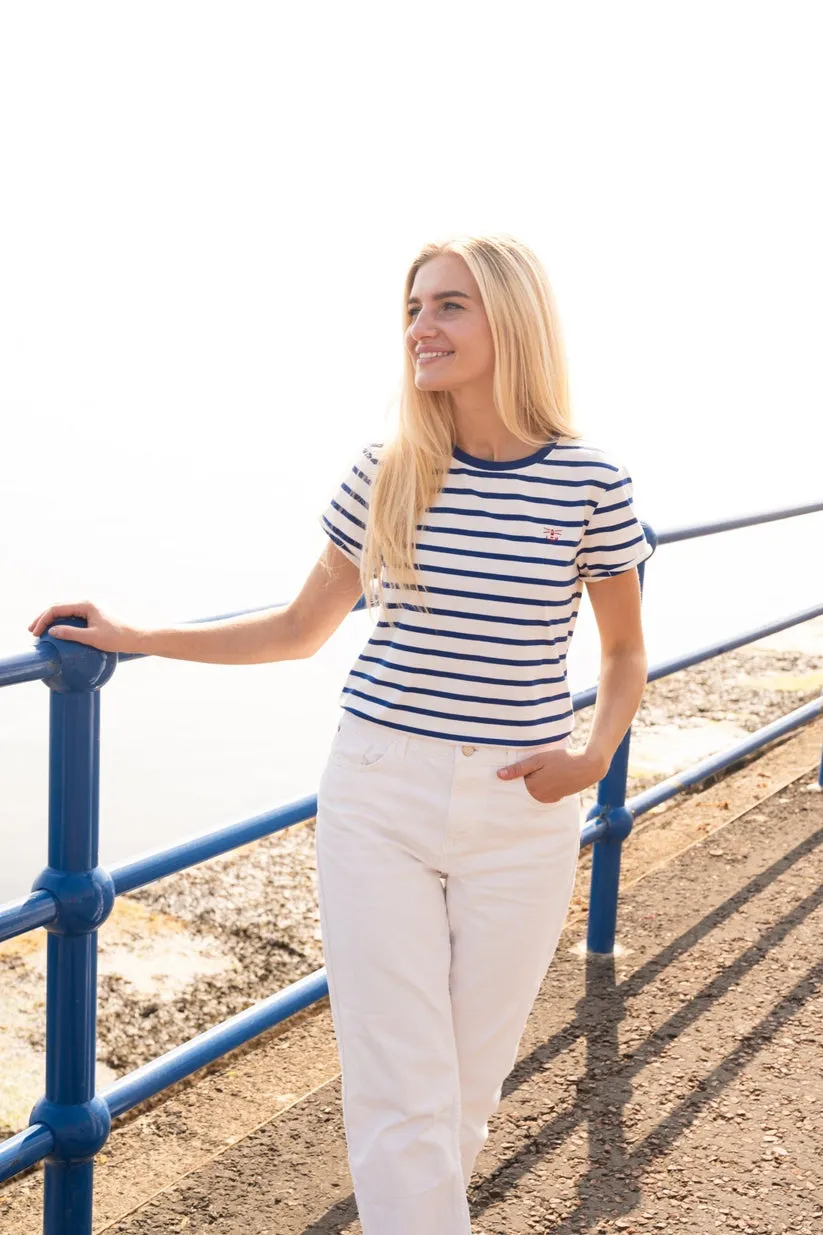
(208, 210)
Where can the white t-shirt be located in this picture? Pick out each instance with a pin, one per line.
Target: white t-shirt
(501, 553)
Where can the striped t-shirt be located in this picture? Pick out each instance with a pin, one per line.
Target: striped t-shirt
(501, 553)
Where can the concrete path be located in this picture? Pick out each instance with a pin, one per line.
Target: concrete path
(676, 1086)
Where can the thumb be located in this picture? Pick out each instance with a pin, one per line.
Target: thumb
(75, 634)
(521, 768)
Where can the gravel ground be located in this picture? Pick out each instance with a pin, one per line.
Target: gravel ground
(259, 904)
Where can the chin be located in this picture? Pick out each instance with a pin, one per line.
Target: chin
(424, 382)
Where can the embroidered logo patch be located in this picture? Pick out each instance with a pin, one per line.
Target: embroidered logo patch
(552, 533)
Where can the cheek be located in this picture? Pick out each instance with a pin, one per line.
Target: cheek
(476, 347)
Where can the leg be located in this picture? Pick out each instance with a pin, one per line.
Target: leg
(387, 949)
(506, 916)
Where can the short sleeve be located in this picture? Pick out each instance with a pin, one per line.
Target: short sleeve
(344, 519)
(613, 540)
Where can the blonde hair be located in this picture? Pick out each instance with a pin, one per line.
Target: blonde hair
(530, 394)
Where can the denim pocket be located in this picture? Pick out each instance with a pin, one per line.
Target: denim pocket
(360, 744)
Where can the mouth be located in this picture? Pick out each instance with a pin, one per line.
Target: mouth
(426, 358)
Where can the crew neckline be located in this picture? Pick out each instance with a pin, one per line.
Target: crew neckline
(498, 464)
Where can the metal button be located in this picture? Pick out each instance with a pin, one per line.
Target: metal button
(468, 750)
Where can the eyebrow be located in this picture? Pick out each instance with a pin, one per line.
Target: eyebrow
(441, 296)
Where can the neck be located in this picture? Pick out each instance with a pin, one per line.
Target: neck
(478, 428)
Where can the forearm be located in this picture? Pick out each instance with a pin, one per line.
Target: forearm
(619, 691)
(252, 639)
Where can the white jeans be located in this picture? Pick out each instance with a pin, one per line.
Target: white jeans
(431, 980)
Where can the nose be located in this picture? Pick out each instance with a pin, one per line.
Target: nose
(421, 327)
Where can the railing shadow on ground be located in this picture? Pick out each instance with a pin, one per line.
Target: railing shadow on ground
(608, 1079)
(73, 895)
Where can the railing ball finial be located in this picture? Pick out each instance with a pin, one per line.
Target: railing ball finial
(82, 668)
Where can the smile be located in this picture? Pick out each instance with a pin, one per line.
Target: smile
(428, 357)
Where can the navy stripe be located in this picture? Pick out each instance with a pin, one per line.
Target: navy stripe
(526, 497)
(611, 568)
(507, 536)
(459, 677)
(521, 580)
(348, 515)
(341, 537)
(448, 694)
(496, 514)
(355, 496)
(465, 634)
(451, 737)
(500, 557)
(483, 617)
(476, 720)
(532, 475)
(624, 544)
(485, 660)
(503, 600)
(608, 510)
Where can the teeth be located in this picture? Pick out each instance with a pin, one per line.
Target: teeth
(429, 355)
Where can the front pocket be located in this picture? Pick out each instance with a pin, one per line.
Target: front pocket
(524, 789)
(354, 747)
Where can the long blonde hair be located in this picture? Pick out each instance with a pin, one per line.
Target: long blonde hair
(530, 394)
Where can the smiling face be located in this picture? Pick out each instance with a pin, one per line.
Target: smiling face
(448, 335)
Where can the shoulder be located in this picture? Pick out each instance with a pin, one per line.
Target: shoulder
(361, 469)
(590, 460)
(371, 454)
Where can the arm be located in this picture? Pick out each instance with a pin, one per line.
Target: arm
(294, 632)
(554, 774)
(623, 664)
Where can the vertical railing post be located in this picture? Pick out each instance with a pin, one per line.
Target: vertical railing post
(606, 853)
(84, 894)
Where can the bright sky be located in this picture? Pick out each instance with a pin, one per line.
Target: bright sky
(208, 210)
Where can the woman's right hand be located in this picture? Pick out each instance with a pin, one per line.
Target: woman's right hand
(100, 631)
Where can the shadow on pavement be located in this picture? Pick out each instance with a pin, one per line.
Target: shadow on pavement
(606, 1190)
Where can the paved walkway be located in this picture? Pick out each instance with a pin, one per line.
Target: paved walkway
(675, 1087)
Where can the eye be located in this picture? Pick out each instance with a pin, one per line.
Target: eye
(447, 304)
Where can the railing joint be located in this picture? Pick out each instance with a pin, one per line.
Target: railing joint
(84, 899)
(79, 1129)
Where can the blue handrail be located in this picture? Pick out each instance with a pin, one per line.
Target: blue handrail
(73, 896)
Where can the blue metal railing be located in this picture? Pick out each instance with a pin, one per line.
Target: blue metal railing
(73, 896)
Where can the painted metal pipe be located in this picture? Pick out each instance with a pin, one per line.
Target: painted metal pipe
(27, 914)
(83, 894)
(24, 1149)
(139, 871)
(176, 1064)
(610, 808)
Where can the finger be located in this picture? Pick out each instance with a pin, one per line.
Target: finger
(77, 609)
(75, 634)
(511, 770)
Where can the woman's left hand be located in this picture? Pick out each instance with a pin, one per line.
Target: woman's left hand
(555, 774)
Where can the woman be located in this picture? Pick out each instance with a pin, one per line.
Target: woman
(448, 821)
